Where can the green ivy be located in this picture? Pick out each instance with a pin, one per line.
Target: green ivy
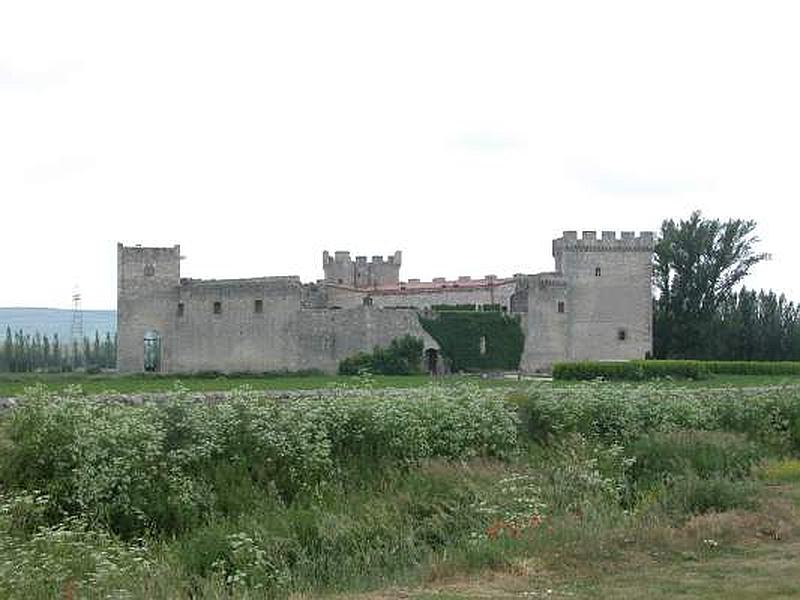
(459, 333)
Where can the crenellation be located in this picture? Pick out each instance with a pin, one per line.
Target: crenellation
(599, 285)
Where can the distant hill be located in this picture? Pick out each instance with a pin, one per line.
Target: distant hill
(49, 321)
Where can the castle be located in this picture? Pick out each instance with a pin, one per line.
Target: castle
(596, 304)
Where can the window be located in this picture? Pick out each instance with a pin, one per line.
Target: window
(561, 306)
(259, 307)
(622, 335)
(339, 280)
(217, 308)
(598, 271)
(367, 300)
(149, 270)
(180, 309)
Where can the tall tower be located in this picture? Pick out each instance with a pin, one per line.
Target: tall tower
(76, 327)
(609, 306)
(148, 291)
(596, 305)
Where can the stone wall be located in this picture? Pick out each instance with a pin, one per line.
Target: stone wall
(147, 298)
(596, 305)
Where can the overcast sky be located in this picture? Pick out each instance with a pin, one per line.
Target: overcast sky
(466, 134)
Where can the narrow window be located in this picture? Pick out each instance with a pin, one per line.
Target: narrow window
(149, 270)
(560, 306)
(217, 308)
(180, 309)
(598, 272)
(622, 335)
(483, 345)
(259, 307)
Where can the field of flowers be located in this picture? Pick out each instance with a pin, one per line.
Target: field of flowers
(355, 488)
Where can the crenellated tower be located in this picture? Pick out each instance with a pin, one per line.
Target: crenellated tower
(597, 305)
(340, 269)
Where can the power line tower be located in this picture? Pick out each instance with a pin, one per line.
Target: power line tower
(76, 330)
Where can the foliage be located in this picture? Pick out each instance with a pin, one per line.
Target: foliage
(621, 413)
(661, 457)
(641, 370)
(698, 263)
(477, 340)
(632, 370)
(22, 352)
(169, 465)
(359, 487)
(402, 357)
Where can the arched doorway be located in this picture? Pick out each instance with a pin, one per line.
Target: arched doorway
(152, 352)
(432, 361)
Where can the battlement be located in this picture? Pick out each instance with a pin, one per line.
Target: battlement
(628, 241)
(361, 273)
(342, 257)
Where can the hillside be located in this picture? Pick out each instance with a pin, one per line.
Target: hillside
(49, 321)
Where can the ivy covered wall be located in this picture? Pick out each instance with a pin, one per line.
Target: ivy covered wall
(476, 340)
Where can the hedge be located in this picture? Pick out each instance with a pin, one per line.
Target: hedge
(632, 370)
(638, 370)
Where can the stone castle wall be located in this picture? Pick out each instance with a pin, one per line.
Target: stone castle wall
(596, 305)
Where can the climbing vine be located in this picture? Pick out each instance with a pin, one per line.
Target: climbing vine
(476, 340)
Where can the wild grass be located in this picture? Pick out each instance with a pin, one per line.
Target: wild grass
(342, 493)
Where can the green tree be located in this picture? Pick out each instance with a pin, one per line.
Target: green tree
(698, 263)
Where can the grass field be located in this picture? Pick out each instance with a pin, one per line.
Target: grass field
(467, 489)
(14, 384)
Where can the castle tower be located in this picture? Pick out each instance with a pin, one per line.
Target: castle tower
(340, 269)
(148, 290)
(598, 303)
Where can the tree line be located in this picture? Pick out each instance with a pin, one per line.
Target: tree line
(23, 352)
(698, 312)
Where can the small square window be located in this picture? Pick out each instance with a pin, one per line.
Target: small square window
(367, 301)
(561, 307)
(259, 306)
(622, 335)
(598, 272)
(217, 308)
(180, 309)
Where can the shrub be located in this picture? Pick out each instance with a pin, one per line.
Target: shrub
(621, 413)
(631, 370)
(162, 466)
(694, 495)
(402, 357)
(663, 456)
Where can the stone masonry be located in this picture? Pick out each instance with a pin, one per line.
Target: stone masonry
(596, 304)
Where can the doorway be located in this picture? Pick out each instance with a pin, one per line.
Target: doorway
(432, 361)
(152, 352)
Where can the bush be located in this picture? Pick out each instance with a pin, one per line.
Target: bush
(735, 367)
(167, 466)
(631, 370)
(402, 357)
(694, 495)
(663, 456)
(639, 370)
(624, 412)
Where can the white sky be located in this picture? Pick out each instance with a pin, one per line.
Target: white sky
(467, 134)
